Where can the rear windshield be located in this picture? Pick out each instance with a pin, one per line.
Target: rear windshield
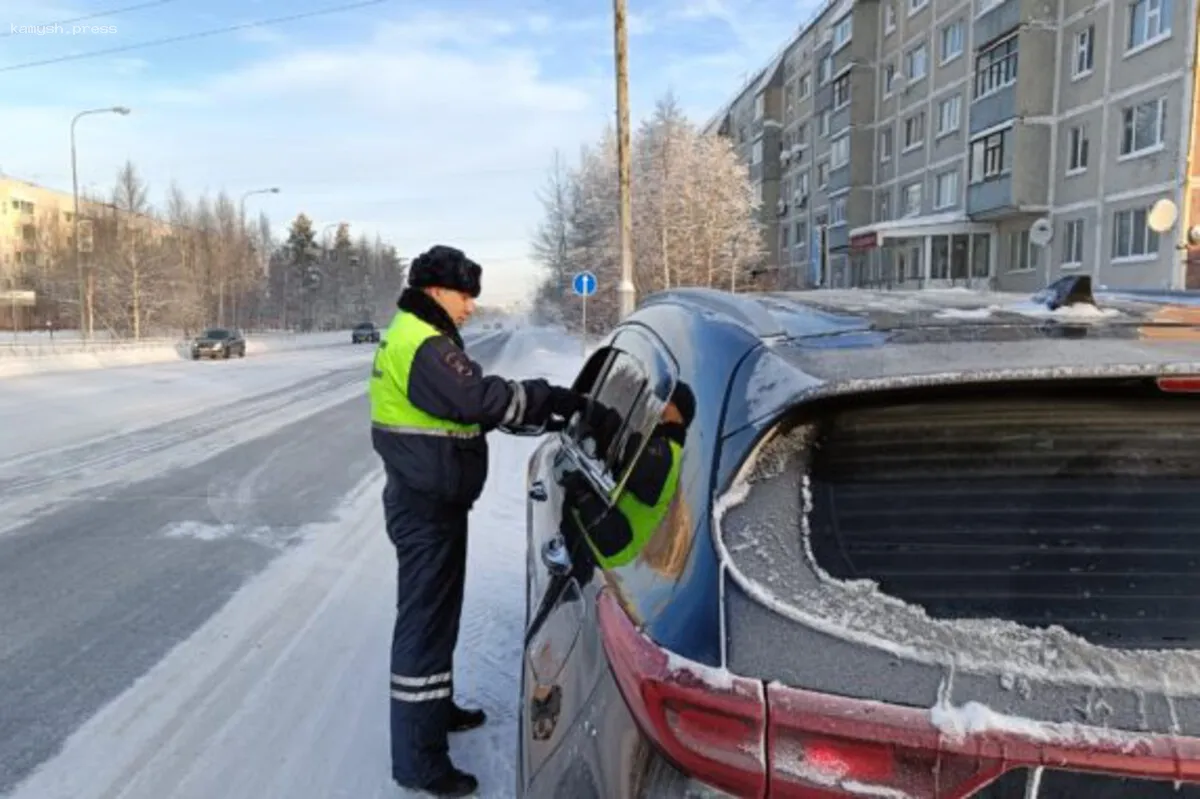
(215, 334)
(1078, 508)
(365, 326)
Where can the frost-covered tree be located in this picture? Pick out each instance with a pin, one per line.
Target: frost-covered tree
(695, 220)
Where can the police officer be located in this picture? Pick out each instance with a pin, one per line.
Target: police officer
(431, 406)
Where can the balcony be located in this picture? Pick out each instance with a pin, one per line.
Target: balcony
(998, 19)
(838, 179)
(838, 237)
(991, 110)
(991, 198)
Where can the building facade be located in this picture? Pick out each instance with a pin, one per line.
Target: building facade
(923, 139)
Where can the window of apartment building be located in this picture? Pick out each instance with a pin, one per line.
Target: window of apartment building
(988, 156)
(839, 152)
(1085, 52)
(802, 134)
(914, 131)
(916, 5)
(784, 230)
(756, 152)
(885, 144)
(1072, 252)
(912, 195)
(822, 174)
(789, 100)
(801, 231)
(1149, 21)
(1077, 150)
(801, 192)
(1022, 255)
(1132, 236)
(1144, 127)
(883, 208)
(949, 112)
(952, 41)
(841, 92)
(825, 70)
(984, 6)
(826, 122)
(843, 29)
(996, 67)
(916, 62)
(945, 190)
(837, 212)
(760, 106)
(889, 78)
(889, 16)
(804, 87)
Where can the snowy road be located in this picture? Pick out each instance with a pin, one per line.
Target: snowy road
(201, 607)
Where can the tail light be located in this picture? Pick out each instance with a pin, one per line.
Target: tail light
(717, 728)
(1180, 384)
(713, 729)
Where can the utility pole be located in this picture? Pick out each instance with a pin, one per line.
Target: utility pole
(626, 289)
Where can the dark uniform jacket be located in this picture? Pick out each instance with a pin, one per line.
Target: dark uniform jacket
(445, 382)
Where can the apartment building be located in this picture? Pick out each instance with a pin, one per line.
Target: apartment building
(922, 139)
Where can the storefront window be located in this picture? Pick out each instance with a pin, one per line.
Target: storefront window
(940, 253)
(960, 256)
(981, 246)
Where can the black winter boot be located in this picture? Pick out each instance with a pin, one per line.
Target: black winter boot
(453, 783)
(463, 719)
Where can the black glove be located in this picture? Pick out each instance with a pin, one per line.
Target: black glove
(566, 403)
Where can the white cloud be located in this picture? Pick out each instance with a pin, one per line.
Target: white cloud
(430, 129)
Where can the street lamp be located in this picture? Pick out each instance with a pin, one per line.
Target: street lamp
(123, 111)
(246, 241)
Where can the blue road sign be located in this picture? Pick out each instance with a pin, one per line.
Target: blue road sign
(584, 284)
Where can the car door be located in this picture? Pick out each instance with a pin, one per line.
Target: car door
(563, 655)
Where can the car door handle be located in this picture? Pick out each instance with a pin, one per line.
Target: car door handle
(537, 491)
(555, 557)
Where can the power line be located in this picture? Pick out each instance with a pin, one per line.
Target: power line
(110, 13)
(186, 37)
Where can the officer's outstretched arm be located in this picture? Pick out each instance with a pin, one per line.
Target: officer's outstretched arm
(445, 382)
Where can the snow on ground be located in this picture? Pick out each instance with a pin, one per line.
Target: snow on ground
(284, 692)
(45, 411)
(31, 355)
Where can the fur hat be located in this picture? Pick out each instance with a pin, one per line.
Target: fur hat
(447, 268)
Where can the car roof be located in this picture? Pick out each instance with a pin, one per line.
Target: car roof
(844, 335)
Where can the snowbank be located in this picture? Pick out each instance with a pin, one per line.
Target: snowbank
(26, 357)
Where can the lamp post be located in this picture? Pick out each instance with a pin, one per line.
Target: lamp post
(83, 303)
(242, 230)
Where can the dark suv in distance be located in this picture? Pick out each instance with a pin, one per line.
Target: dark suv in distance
(937, 544)
(363, 333)
(219, 342)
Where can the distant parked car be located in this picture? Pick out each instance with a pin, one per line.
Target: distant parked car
(364, 333)
(219, 342)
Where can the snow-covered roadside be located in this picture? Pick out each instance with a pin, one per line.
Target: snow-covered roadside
(284, 692)
(68, 356)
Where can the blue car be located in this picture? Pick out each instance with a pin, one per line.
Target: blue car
(937, 544)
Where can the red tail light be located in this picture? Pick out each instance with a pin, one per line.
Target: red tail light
(1181, 384)
(714, 728)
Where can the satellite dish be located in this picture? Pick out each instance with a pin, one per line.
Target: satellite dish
(1040, 232)
(1162, 216)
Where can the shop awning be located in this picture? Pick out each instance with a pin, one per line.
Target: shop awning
(874, 235)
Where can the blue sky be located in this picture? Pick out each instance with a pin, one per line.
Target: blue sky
(421, 121)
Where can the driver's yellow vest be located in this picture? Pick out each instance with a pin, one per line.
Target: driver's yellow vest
(391, 409)
(643, 519)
